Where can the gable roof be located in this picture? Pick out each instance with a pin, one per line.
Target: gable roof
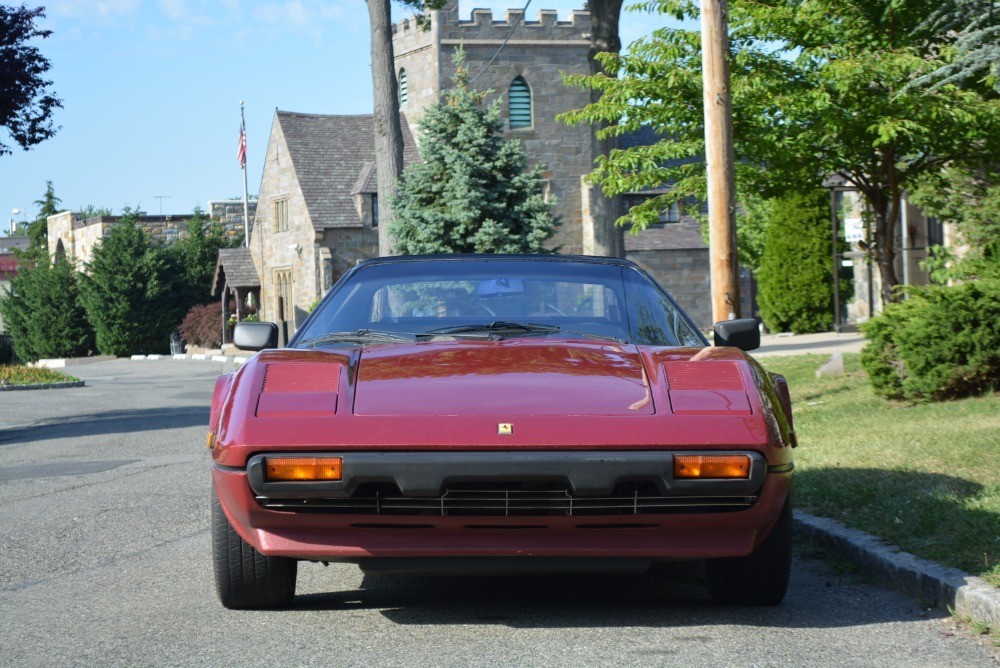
(329, 154)
(236, 266)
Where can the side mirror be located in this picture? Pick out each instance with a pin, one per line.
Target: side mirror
(255, 335)
(743, 334)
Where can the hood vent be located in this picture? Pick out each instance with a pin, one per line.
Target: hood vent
(301, 377)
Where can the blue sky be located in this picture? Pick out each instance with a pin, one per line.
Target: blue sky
(151, 93)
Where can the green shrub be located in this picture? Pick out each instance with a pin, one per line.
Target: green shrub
(796, 270)
(942, 343)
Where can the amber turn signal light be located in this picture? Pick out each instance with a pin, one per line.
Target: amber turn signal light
(711, 466)
(304, 468)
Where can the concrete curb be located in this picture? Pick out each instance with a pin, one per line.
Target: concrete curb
(944, 587)
(199, 357)
(62, 363)
(42, 386)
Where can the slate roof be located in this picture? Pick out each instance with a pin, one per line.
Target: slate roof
(367, 182)
(329, 154)
(672, 236)
(236, 265)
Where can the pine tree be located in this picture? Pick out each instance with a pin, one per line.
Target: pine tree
(48, 205)
(43, 312)
(129, 293)
(194, 258)
(472, 191)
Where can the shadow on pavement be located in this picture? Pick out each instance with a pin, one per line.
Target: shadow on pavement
(673, 595)
(109, 422)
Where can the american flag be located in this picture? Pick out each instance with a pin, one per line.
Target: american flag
(241, 152)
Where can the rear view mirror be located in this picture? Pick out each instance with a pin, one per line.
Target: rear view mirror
(255, 335)
(743, 334)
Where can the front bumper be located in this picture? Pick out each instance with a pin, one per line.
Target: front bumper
(676, 519)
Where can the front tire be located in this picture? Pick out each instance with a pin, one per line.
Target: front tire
(760, 578)
(244, 578)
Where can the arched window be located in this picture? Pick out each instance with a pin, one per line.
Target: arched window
(403, 92)
(519, 102)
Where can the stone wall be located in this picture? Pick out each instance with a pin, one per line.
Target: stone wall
(685, 275)
(76, 237)
(230, 213)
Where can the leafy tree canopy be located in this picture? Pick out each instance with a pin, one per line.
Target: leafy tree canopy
(818, 89)
(26, 106)
(472, 192)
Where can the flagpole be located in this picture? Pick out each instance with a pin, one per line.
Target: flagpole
(246, 198)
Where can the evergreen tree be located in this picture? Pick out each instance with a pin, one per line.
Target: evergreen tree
(972, 47)
(194, 258)
(130, 293)
(43, 312)
(472, 192)
(48, 205)
(795, 275)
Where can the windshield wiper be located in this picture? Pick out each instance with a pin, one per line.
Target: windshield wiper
(592, 335)
(358, 336)
(496, 327)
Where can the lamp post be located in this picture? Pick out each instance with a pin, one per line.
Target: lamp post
(16, 212)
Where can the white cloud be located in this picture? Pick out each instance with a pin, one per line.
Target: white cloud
(90, 9)
(176, 10)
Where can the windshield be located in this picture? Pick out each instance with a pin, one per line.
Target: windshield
(494, 299)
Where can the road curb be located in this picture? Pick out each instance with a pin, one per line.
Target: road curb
(42, 386)
(941, 586)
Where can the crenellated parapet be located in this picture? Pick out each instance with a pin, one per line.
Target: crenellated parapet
(447, 27)
(547, 25)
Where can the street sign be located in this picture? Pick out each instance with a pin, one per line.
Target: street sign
(854, 229)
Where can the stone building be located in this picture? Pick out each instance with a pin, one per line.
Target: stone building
(70, 235)
(318, 211)
(318, 194)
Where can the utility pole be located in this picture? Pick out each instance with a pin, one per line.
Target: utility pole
(719, 160)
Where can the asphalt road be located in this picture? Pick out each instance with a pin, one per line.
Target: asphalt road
(105, 561)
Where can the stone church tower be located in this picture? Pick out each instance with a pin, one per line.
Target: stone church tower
(527, 75)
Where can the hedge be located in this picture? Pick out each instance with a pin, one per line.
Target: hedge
(941, 343)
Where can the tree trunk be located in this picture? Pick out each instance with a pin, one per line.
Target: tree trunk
(886, 216)
(388, 131)
(609, 239)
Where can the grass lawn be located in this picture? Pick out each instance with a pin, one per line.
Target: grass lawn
(27, 375)
(925, 477)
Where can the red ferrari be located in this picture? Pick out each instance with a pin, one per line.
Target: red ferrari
(500, 413)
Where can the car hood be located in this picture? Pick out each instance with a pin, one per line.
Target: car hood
(515, 376)
(518, 394)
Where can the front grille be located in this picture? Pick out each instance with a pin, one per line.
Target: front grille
(511, 502)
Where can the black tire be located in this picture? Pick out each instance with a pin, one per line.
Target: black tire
(244, 578)
(760, 578)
